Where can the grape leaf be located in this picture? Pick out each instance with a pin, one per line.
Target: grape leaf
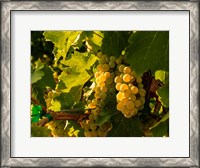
(62, 41)
(36, 76)
(39, 87)
(163, 76)
(56, 105)
(125, 127)
(148, 50)
(114, 42)
(74, 129)
(66, 100)
(163, 93)
(76, 74)
(162, 129)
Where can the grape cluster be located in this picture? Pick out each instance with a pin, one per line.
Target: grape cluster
(57, 128)
(39, 131)
(131, 95)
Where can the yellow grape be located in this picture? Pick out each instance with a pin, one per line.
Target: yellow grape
(94, 133)
(125, 100)
(128, 115)
(101, 84)
(93, 126)
(132, 97)
(134, 111)
(124, 87)
(97, 95)
(137, 103)
(120, 106)
(118, 85)
(104, 89)
(127, 70)
(138, 80)
(97, 89)
(120, 96)
(86, 127)
(105, 67)
(130, 105)
(118, 79)
(127, 93)
(127, 78)
(87, 134)
(99, 67)
(101, 133)
(125, 110)
(121, 68)
(102, 77)
(134, 89)
(107, 74)
(91, 105)
(97, 74)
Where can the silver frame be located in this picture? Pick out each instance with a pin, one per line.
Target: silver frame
(191, 6)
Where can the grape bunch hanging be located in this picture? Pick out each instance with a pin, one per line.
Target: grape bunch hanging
(113, 78)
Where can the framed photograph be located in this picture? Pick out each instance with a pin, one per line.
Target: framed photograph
(100, 84)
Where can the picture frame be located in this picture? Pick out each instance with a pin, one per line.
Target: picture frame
(7, 7)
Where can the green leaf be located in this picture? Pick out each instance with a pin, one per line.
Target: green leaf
(66, 100)
(148, 50)
(163, 93)
(62, 41)
(36, 76)
(163, 76)
(76, 74)
(74, 129)
(164, 118)
(40, 86)
(36, 110)
(114, 42)
(35, 118)
(125, 127)
(161, 130)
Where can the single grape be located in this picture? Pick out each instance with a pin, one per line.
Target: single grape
(130, 105)
(91, 105)
(132, 97)
(111, 64)
(112, 58)
(118, 85)
(127, 93)
(109, 81)
(105, 67)
(137, 103)
(94, 133)
(134, 89)
(107, 75)
(101, 84)
(93, 126)
(121, 68)
(138, 80)
(120, 96)
(104, 89)
(140, 85)
(123, 87)
(127, 70)
(118, 79)
(127, 78)
(120, 106)
(112, 90)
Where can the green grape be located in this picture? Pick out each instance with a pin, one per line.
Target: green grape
(118, 61)
(111, 64)
(140, 85)
(112, 90)
(138, 80)
(142, 92)
(127, 78)
(142, 99)
(132, 97)
(137, 103)
(113, 58)
(93, 126)
(121, 68)
(109, 81)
